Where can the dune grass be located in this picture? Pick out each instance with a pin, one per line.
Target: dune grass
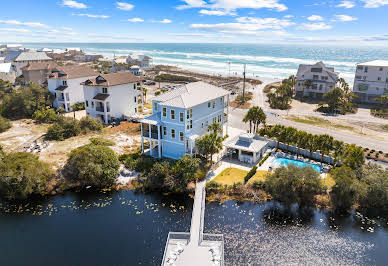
(230, 176)
(317, 121)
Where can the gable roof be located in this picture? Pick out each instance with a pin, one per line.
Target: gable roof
(6, 67)
(32, 56)
(11, 55)
(39, 66)
(72, 72)
(112, 79)
(378, 63)
(303, 69)
(190, 95)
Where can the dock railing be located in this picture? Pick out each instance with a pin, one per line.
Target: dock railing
(174, 236)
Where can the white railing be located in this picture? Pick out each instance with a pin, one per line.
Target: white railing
(174, 236)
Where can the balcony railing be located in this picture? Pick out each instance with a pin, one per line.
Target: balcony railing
(100, 109)
(61, 99)
(154, 135)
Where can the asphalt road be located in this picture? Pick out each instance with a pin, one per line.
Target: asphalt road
(236, 117)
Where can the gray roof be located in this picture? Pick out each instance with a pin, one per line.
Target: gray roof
(247, 142)
(378, 63)
(11, 55)
(32, 56)
(101, 97)
(190, 95)
(307, 68)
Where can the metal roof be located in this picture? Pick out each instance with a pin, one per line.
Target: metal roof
(190, 95)
(247, 142)
(32, 56)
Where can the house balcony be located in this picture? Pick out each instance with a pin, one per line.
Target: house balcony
(61, 99)
(100, 109)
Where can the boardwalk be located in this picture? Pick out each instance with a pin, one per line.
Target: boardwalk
(195, 248)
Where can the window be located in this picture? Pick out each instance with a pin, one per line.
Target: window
(191, 124)
(360, 67)
(214, 119)
(202, 125)
(173, 133)
(214, 104)
(181, 117)
(381, 69)
(358, 77)
(366, 69)
(315, 77)
(135, 110)
(164, 112)
(165, 131)
(320, 87)
(156, 106)
(87, 103)
(378, 78)
(104, 90)
(219, 119)
(135, 99)
(181, 136)
(92, 104)
(221, 100)
(64, 83)
(172, 114)
(208, 105)
(377, 88)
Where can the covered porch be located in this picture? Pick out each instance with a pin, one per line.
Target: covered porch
(247, 148)
(151, 134)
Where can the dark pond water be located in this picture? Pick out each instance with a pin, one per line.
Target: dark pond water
(126, 228)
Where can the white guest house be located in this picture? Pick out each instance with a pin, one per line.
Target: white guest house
(65, 83)
(315, 80)
(371, 80)
(181, 116)
(113, 96)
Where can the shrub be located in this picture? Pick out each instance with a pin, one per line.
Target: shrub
(251, 173)
(264, 159)
(88, 124)
(45, 115)
(258, 184)
(94, 165)
(64, 128)
(169, 77)
(22, 174)
(5, 124)
(102, 141)
(78, 106)
(158, 93)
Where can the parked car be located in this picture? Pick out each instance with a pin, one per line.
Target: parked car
(149, 83)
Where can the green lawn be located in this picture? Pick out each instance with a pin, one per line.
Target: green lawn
(231, 176)
(328, 181)
(148, 106)
(317, 121)
(259, 176)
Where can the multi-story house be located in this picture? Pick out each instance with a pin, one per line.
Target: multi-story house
(371, 81)
(65, 83)
(37, 72)
(315, 80)
(113, 96)
(24, 58)
(181, 116)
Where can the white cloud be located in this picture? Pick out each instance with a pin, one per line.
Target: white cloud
(164, 21)
(217, 12)
(249, 26)
(315, 18)
(28, 24)
(135, 20)
(14, 30)
(346, 4)
(314, 26)
(124, 6)
(288, 16)
(73, 4)
(374, 3)
(206, 35)
(91, 15)
(344, 18)
(67, 28)
(234, 4)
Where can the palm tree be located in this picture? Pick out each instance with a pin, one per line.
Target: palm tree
(248, 118)
(215, 128)
(325, 143)
(311, 143)
(145, 94)
(255, 117)
(301, 138)
(339, 149)
(307, 84)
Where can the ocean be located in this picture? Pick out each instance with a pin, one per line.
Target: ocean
(262, 60)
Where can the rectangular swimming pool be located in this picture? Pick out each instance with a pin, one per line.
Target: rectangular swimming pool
(280, 161)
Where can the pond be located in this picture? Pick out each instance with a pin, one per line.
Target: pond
(128, 228)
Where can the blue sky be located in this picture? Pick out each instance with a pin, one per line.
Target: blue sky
(239, 21)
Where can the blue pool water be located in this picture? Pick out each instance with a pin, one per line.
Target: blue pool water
(285, 162)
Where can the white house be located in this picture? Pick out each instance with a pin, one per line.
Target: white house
(135, 70)
(24, 58)
(65, 83)
(7, 72)
(143, 61)
(315, 80)
(112, 96)
(181, 116)
(371, 80)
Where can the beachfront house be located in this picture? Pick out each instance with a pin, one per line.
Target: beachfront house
(314, 81)
(37, 72)
(371, 81)
(65, 83)
(25, 58)
(113, 96)
(143, 61)
(135, 70)
(181, 116)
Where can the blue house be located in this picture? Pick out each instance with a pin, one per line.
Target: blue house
(181, 116)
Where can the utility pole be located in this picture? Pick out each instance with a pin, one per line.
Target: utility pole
(243, 98)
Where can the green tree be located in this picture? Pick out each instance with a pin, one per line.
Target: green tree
(353, 157)
(215, 128)
(22, 174)
(94, 165)
(45, 115)
(90, 124)
(324, 144)
(5, 124)
(343, 192)
(208, 145)
(255, 117)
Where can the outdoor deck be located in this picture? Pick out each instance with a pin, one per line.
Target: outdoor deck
(195, 248)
